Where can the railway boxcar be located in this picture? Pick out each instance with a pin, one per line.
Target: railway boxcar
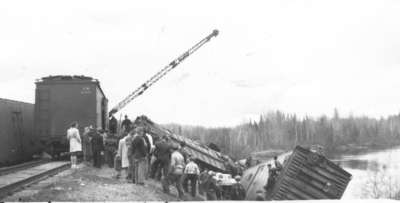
(306, 175)
(16, 135)
(61, 100)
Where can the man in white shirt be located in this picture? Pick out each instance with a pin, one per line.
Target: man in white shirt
(191, 174)
(175, 172)
(75, 145)
(122, 155)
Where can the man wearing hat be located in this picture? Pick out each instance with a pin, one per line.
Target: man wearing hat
(210, 186)
(260, 195)
(175, 172)
(238, 192)
(271, 178)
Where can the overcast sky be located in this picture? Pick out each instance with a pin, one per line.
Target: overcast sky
(304, 57)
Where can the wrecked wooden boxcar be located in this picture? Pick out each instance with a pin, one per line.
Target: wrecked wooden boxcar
(203, 155)
(305, 175)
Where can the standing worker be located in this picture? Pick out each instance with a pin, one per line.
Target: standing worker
(278, 165)
(202, 180)
(126, 124)
(97, 147)
(149, 143)
(110, 148)
(75, 145)
(175, 172)
(86, 149)
(122, 155)
(139, 156)
(113, 123)
(128, 142)
(211, 186)
(183, 151)
(271, 179)
(162, 153)
(191, 174)
(237, 191)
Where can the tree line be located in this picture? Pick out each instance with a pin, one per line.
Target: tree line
(277, 130)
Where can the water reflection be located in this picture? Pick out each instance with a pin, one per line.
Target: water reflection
(369, 165)
(381, 167)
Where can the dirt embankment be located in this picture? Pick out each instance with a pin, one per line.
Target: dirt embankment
(90, 184)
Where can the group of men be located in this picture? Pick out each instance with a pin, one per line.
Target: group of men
(94, 145)
(214, 189)
(164, 160)
(140, 157)
(91, 144)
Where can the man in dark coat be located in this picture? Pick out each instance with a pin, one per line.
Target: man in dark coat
(183, 151)
(139, 153)
(202, 181)
(97, 147)
(163, 153)
(237, 191)
(113, 125)
(271, 179)
(211, 186)
(126, 124)
(110, 149)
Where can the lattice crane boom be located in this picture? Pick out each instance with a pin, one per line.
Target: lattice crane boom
(139, 91)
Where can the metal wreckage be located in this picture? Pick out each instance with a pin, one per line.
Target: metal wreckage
(306, 174)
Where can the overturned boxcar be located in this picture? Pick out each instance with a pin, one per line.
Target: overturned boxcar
(203, 155)
(306, 175)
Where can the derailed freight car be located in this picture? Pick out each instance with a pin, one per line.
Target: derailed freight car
(306, 175)
(61, 100)
(203, 155)
(17, 142)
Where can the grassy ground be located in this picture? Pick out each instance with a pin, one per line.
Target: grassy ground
(90, 184)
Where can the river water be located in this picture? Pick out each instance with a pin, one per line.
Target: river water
(374, 174)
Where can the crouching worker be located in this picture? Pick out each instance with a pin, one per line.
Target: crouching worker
(175, 172)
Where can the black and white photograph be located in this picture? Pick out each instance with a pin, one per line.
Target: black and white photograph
(167, 101)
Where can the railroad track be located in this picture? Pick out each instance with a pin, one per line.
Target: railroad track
(17, 177)
(15, 168)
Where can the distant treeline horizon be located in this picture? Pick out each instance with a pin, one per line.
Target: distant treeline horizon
(278, 130)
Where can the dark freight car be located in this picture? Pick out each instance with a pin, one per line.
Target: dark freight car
(60, 100)
(306, 175)
(16, 135)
